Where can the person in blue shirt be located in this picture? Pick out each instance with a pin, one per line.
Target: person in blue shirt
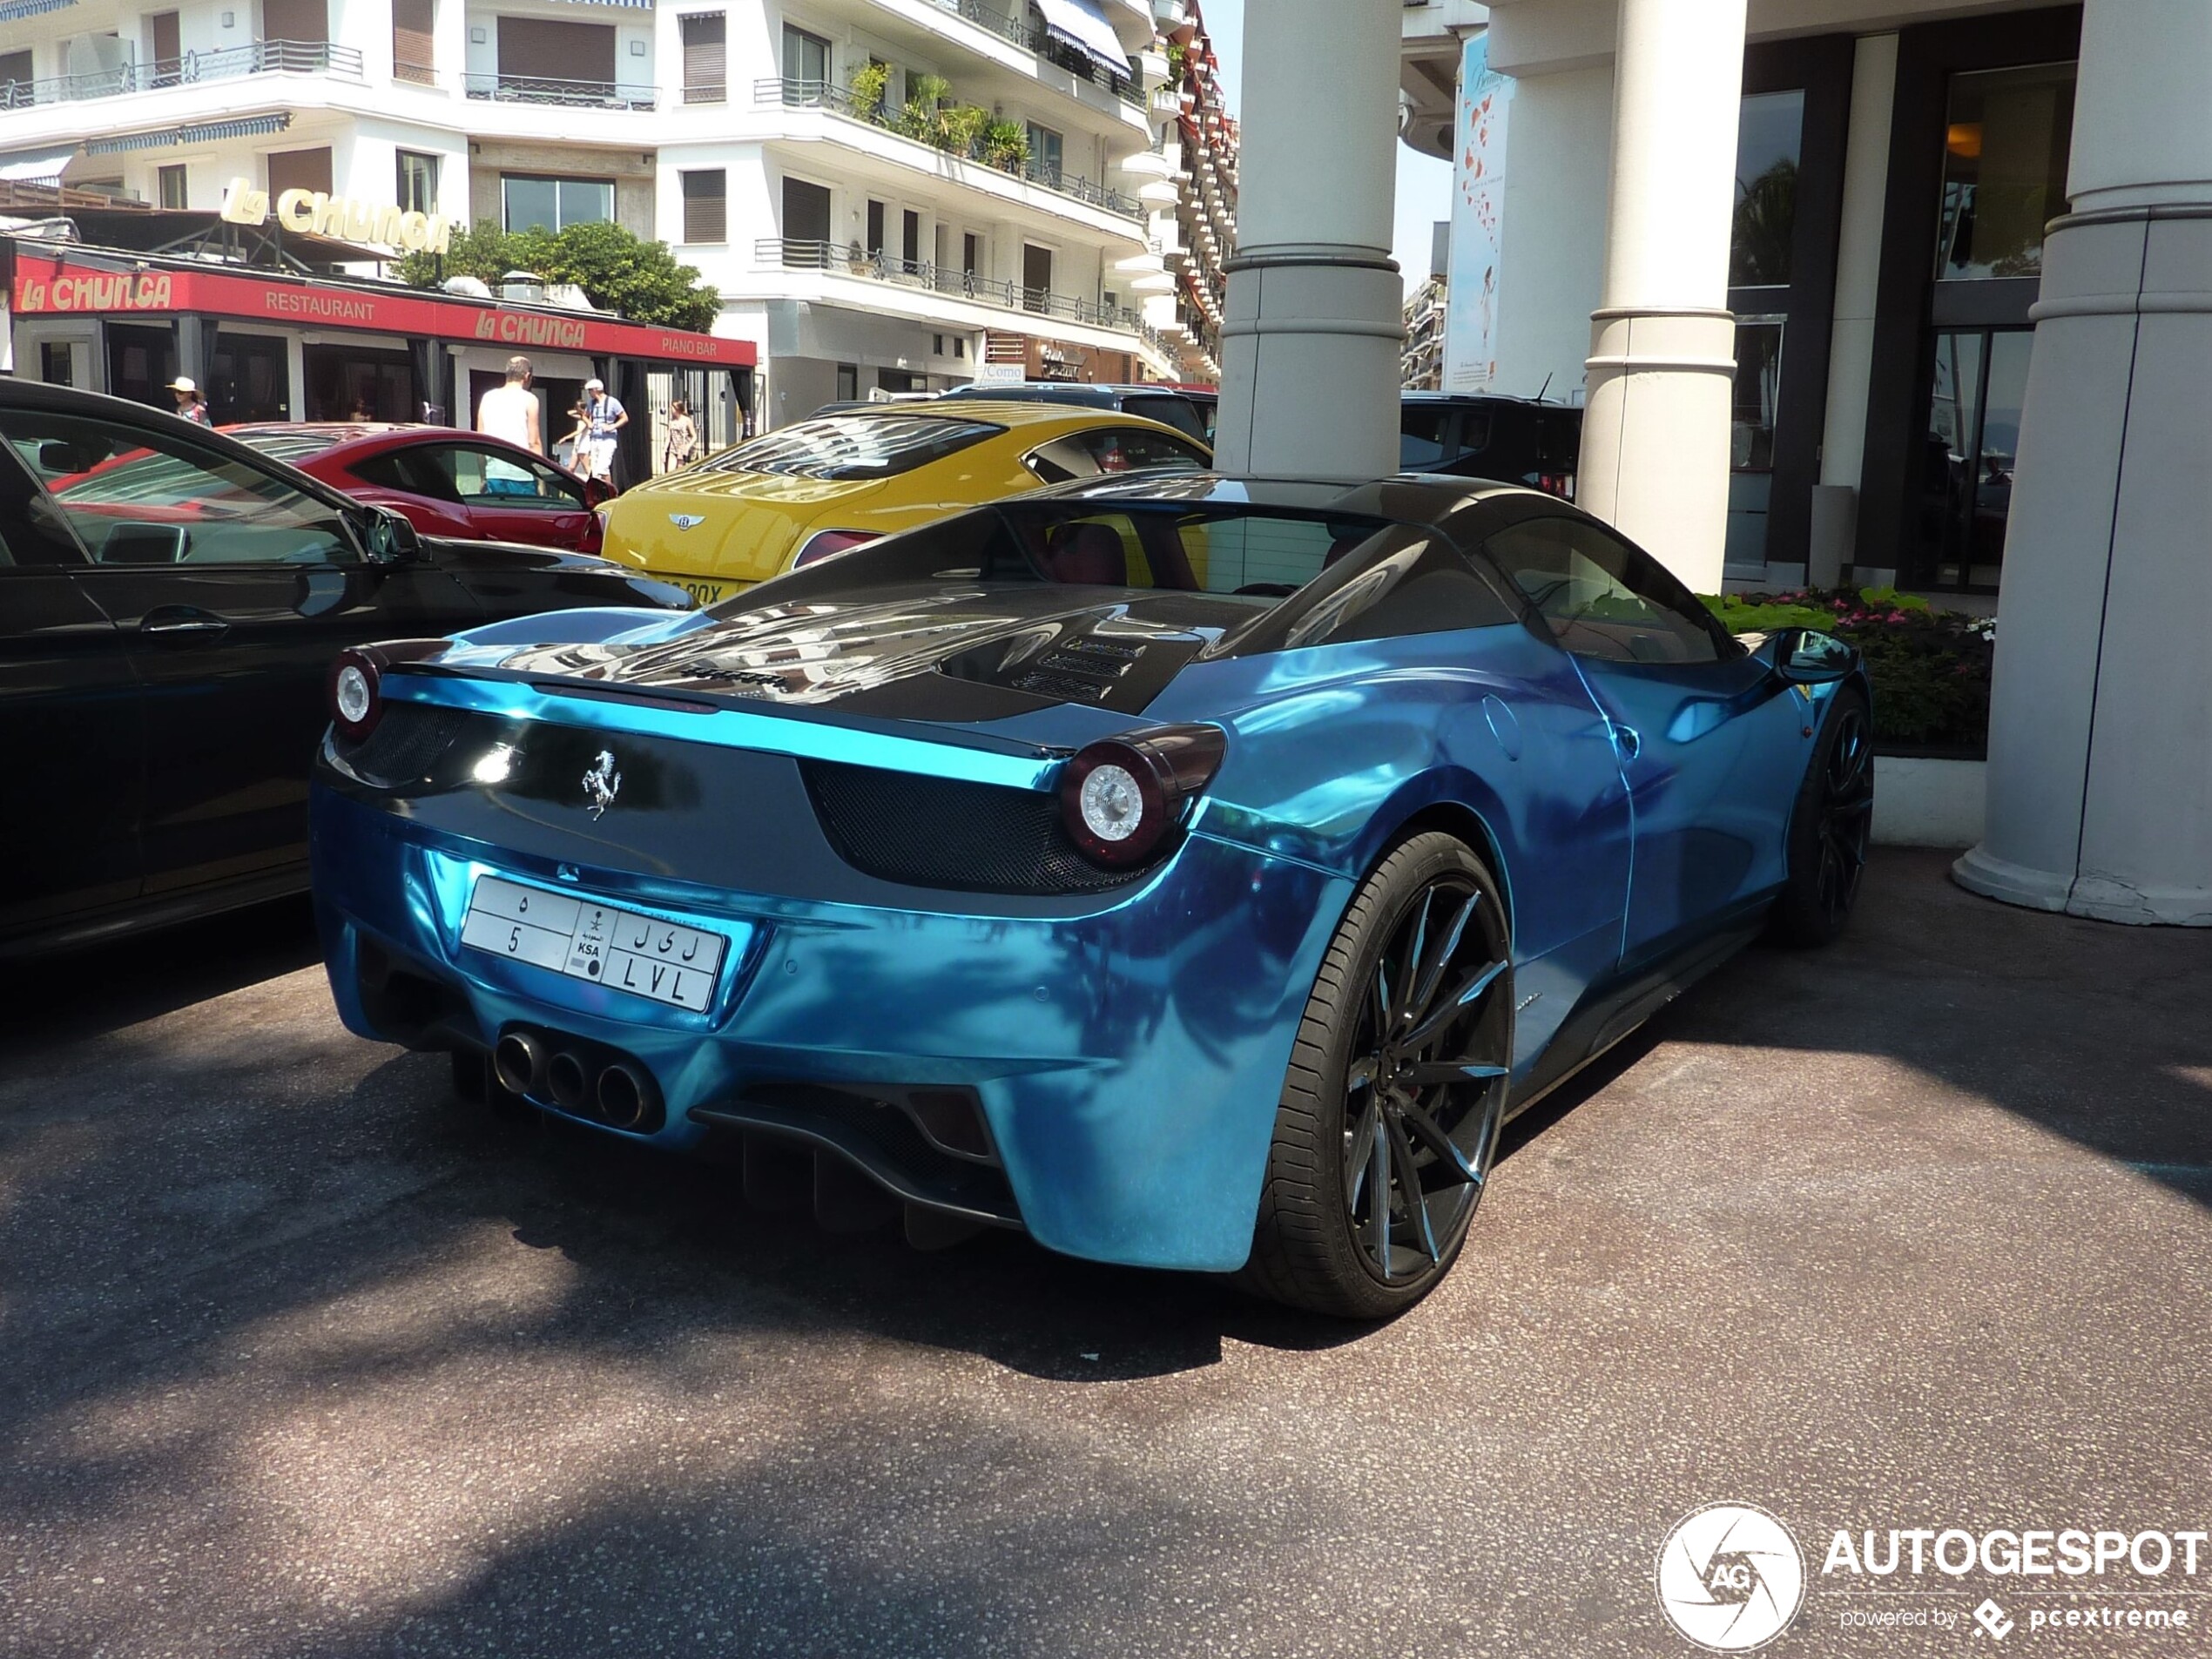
(604, 418)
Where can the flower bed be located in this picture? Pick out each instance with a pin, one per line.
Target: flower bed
(1930, 668)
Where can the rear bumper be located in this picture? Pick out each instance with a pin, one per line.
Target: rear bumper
(1127, 1059)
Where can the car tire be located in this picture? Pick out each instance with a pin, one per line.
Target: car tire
(1424, 940)
(1831, 824)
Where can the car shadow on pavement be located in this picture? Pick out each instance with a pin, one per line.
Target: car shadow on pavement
(66, 997)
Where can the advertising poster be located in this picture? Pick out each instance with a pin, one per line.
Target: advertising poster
(1478, 204)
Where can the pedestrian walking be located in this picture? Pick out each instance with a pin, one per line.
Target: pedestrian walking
(510, 411)
(683, 437)
(604, 418)
(190, 406)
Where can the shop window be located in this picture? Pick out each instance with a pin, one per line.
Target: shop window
(57, 362)
(169, 185)
(849, 382)
(141, 361)
(706, 73)
(416, 183)
(2006, 139)
(705, 205)
(359, 383)
(1977, 389)
(529, 202)
(1751, 422)
(1769, 133)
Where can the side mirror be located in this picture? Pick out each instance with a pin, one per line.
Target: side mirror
(1807, 656)
(597, 492)
(390, 537)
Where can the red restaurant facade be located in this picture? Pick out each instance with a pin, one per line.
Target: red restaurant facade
(273, 346)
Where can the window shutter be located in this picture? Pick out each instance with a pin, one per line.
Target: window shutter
(412, 56)
(706, 217)
(705, 58)
(299, 170)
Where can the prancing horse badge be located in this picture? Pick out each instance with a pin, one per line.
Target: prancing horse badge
(601, 782)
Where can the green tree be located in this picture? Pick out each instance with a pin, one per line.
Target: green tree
(618, 270)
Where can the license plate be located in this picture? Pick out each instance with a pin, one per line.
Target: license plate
(602, 944)
(703, 593)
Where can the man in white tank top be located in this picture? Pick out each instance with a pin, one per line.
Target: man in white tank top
(510, 411)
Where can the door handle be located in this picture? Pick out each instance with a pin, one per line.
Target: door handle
(182, 623)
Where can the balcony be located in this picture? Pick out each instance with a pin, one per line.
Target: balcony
(781, 253)
(574, 95)
(261, 57)
(1014, 26)
(978, 147)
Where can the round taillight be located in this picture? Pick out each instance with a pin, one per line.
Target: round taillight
(1121, 799)
(356, 684)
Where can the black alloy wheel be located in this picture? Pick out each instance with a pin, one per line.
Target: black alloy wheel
(1829, 829)
(1390, 1111)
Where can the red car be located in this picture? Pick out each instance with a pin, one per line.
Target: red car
(461, 485)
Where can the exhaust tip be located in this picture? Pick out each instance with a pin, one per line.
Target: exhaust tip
(626, 1096)
(565, 1076)
(519, 1063)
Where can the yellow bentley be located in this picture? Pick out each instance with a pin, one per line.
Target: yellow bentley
(803, 492)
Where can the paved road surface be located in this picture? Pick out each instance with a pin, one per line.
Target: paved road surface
(298, 1357)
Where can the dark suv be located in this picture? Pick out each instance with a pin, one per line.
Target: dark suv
(1515, 440)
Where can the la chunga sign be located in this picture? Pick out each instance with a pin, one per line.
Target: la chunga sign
(341, 217)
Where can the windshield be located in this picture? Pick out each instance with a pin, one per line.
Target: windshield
(855, 446)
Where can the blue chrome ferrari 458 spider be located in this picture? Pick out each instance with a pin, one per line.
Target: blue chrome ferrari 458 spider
(1196, 874)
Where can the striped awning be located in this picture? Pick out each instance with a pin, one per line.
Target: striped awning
(1080, 24)
(11, 10)
(252, 126)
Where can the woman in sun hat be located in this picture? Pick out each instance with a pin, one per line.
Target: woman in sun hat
(190, 406)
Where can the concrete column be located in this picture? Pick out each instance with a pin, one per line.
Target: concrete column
(1552, 254)
(1663, 343)
(2099, 796)
(1315, 306)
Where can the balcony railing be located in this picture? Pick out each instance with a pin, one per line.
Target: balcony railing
(579, 95)
(828, 95)
(776, 253)
(1016, 27)
(261, 57)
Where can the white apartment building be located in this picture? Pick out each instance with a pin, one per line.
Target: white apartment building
(858, 243)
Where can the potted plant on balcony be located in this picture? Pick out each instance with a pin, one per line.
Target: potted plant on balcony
(960, 129)
(1005, 145)
(868, 85)
(919, 118)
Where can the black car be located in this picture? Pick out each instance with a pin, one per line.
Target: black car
(1189, 412)
(1513, 440)
(170, 602)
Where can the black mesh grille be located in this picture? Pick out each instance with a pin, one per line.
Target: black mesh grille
(409, 739)
(944, 832)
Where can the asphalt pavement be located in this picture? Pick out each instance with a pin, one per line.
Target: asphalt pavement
(297, 1356)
